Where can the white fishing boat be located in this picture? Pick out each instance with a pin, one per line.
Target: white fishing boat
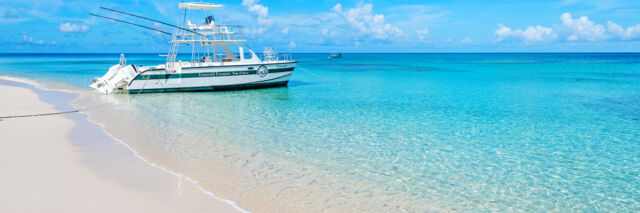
(220, 60)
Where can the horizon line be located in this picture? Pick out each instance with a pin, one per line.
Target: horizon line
(487, 52)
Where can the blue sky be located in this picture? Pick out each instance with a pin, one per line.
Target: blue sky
(347, 26)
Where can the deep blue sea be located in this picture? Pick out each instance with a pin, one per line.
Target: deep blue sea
(462, 132)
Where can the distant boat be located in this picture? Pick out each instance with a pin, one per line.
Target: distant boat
(337, 55)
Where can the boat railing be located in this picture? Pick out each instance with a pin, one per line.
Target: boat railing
(276, 57)
(286, 57)
(212, 33)
(224, 32)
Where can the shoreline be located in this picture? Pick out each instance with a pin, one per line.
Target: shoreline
(240, 177)
(164, 189)
(254, 180)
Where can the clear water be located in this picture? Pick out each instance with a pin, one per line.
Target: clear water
(464, 132)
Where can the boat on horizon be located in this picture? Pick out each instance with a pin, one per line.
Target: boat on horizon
(220, 60)
(336, 55)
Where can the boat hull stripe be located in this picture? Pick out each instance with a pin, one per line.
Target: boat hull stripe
(207, 74)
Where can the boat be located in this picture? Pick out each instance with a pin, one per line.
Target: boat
(220, 60)
(337, 55)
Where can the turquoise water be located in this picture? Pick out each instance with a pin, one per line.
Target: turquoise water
(468, 132)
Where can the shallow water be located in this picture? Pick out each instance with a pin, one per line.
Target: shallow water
(462, 132)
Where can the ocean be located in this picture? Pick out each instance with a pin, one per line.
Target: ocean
(389, 132)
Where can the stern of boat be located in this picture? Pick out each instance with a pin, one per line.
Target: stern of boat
(115, 79)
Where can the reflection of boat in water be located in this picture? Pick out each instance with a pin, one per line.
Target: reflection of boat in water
(220, 60)
(337, 55)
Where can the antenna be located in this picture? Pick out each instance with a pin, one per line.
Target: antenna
(137, 16)
(118, 20)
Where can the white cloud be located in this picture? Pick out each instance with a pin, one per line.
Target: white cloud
(466, 40)
(631, 33)
(582, 29)
(262, 15)
(285, 31)
(362, 19)
(448, 40)
(254, 7)
(292, 44)
(423, 35)
(73, 28)
(573, 30)
(530, 35)
(27, 39)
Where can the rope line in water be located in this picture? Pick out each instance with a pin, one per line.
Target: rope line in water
(311, 73)
(42, 114)
(56, 113)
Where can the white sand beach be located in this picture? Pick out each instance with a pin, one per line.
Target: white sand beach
(43, 171)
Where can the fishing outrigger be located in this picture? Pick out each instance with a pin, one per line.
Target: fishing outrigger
(220, 59)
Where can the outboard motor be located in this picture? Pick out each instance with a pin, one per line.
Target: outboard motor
(116, 78)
